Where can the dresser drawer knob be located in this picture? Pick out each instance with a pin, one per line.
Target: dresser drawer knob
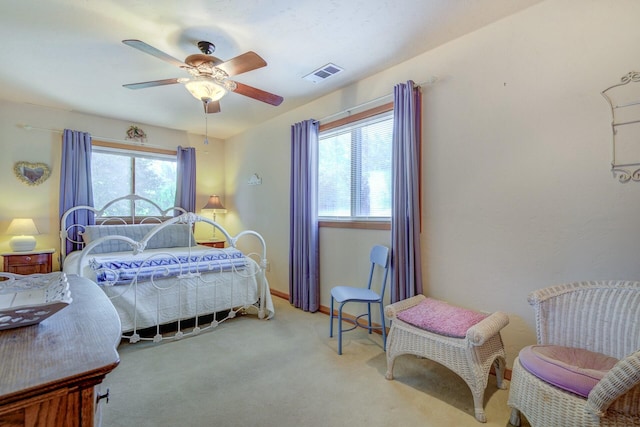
(28, 258)
(103, 396)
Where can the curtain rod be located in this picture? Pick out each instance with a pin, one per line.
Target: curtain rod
(99, 138)
(429, 81)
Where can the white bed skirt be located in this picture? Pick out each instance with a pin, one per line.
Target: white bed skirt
(162, 301)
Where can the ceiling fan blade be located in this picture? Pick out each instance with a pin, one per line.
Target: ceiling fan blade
(242, 63)
(258, 94)
(142, 46)
(153, 83)
(211, 106)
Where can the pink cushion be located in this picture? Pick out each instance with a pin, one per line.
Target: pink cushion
(441, 318)
(572, 369)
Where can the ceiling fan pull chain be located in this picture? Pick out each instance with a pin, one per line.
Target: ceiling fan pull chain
(206, 126)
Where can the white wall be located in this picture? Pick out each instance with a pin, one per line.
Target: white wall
(517, 189)
(41, 146)
(516, 185)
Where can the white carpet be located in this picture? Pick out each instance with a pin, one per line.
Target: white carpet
(286, 372)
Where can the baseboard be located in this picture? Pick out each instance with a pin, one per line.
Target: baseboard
(327, 311)
(279, 294)
(323, 309)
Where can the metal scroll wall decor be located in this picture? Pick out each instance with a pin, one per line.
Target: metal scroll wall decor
(624, 101)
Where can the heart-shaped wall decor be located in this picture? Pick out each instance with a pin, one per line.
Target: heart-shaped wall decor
(32, 173)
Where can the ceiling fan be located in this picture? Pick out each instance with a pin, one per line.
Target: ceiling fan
(210, 75)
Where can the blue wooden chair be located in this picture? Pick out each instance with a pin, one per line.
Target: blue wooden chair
(343, 294)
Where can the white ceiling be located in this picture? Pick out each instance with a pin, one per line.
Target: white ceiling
(68, 54)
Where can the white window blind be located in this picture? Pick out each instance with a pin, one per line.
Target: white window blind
(354, 170)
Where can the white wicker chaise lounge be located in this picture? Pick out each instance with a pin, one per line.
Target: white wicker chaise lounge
(471, 356)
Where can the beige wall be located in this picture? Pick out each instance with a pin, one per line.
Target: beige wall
(41, 202)
(517, 189)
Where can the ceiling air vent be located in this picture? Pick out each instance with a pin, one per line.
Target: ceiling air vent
(323, 73)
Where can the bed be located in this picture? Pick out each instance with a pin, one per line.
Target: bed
(159, 278)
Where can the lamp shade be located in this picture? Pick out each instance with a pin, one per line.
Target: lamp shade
(205, 89)
(214, 205)
(23, 230)
(22, 226)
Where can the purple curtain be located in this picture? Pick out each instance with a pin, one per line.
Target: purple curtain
(406, 271)
(304, 287)
(75, 182)
(186, 179)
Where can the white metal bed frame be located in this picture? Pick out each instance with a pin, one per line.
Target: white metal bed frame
(138, 247)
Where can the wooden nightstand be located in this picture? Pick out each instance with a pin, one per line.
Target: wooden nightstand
(213, 243)
(36, 261)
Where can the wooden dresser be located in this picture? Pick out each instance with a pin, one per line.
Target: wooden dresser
(50, 372)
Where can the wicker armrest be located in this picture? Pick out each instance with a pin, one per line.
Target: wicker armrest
(392, 309)
(487, 328)
(619, 389)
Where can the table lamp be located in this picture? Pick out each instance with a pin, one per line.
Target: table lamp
(23, 230)
(214, 206)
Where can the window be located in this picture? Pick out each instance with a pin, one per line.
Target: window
(354, 169)
(117, 172)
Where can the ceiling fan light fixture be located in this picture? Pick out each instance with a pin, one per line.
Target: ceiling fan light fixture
(205, 89)
(210, 75)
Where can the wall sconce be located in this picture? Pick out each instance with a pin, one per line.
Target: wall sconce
(214, 206)
(255, 179)
(23, 230)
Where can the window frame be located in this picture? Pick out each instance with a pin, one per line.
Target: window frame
(132, 218)
(381, 224)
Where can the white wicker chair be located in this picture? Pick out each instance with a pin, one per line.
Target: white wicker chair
(470, 357)
(600, 316)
